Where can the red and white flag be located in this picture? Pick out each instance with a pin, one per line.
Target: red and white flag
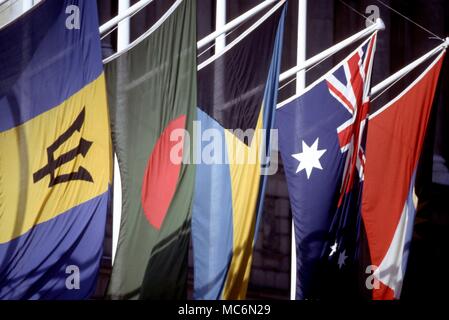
(394, 142)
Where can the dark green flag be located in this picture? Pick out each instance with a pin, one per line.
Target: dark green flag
(152, 98)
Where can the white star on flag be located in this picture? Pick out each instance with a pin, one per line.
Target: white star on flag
(341, 259)
(309, 158)
(334, 249)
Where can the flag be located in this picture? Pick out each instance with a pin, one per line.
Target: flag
(55, 153)
(394, 142)
(237, 94)
(152, 99)
(321, 141)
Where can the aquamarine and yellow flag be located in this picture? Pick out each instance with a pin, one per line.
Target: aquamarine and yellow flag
(55, 152)
(237, 95)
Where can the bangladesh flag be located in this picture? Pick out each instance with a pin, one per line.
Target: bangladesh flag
(152, 100)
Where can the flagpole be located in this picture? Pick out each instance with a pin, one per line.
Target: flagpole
(27, 4)
(379, 25)
(220, 22)
(123, 14)
(300, 84)
(123, 38)
(233, 23)
(242, 35)
(201, 43)
(147, 33)
(401, 73)
(16, 10)
(123, 26)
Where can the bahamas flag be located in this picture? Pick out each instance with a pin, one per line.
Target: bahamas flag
(55, 153)
(237, 94)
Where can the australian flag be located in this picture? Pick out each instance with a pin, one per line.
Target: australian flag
(322, 135)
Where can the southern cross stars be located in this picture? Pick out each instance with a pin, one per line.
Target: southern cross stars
(334, 249)
(309, 158)
(341, 259)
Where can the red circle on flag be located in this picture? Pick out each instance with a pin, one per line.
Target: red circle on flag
(161, 173)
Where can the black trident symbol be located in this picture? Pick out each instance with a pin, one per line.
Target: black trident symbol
(82, 149)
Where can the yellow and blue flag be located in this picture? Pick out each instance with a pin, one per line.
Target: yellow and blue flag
(237, 95)
(55, 152)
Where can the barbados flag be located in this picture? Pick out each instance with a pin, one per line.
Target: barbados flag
(55, 152)
(237, 93)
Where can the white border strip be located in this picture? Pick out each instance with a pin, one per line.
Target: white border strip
(242, 36)
(146, 34)
(422, 75)
(311, 86)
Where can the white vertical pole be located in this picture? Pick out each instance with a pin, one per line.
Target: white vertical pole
(123, 38)
(26, 5)
(123, 26)
(116, 208)
(300, 84)
(302, 43)
(220, 44)
(220, 22)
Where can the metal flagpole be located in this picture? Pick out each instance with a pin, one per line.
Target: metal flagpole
(27, 4)
(379, 25)
(123, 37)
(300, 84)
(146, 34)
(401, 73)
(233, 23)
(201, 43)
(123, 26)
(220, 22)
(242, 35)
(14, 9)
(122, 15)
